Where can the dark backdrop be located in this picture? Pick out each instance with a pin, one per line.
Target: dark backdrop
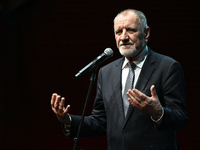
(43, 44)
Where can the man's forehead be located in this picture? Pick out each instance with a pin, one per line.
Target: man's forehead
(126, 20)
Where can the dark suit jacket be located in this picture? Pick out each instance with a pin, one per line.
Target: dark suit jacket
(137, 131)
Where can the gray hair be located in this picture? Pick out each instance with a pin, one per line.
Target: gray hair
(141, 16)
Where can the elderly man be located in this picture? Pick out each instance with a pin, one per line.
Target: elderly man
(140, 101)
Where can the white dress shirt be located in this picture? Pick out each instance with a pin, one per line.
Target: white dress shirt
(139, 61)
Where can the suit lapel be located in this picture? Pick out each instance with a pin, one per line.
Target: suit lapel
(146, 71)
(118, 87)
(143, 79)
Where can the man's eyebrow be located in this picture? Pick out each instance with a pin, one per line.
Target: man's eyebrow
(117, 29)
(130, 27)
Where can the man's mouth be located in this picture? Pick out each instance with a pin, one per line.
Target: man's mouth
(125, 44)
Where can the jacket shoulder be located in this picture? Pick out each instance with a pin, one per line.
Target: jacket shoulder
(116, 62)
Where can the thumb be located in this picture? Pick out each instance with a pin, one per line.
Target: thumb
(153, 91)
(66, 110)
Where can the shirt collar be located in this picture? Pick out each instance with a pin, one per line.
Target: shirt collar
(139, 61)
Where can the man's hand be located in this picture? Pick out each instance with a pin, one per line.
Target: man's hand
(150, 105)
(57, 105)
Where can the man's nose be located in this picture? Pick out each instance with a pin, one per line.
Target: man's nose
(124, 36)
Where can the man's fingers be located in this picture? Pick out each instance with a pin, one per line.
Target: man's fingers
(53, 98)
(134, 102)
(137, 95)
(134, 99)
(58, 105)
(57, 101)
(62, 103)
(67, 109)
(54, 101)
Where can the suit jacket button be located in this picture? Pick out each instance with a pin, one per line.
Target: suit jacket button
(124, 131)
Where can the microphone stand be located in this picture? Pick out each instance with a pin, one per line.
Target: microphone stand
(92, 79)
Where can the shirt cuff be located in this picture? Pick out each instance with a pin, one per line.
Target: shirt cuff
(158, 121)
(67, 128)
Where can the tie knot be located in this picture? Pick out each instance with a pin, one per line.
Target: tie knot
(131, 65)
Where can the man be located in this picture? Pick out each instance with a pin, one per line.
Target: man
(156, 106)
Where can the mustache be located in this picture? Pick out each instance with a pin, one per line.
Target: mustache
(125, 43)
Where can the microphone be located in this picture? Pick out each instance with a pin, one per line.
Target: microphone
(108, 52)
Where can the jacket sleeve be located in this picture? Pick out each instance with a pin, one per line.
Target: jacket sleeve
(94, 126)
(174, 99)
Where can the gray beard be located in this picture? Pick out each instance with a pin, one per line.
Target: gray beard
(125, 53)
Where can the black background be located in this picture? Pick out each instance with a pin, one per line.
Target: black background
(44, 43)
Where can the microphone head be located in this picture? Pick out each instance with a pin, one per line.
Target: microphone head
(109, 52)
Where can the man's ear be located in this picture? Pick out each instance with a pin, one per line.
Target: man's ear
(147, 33)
